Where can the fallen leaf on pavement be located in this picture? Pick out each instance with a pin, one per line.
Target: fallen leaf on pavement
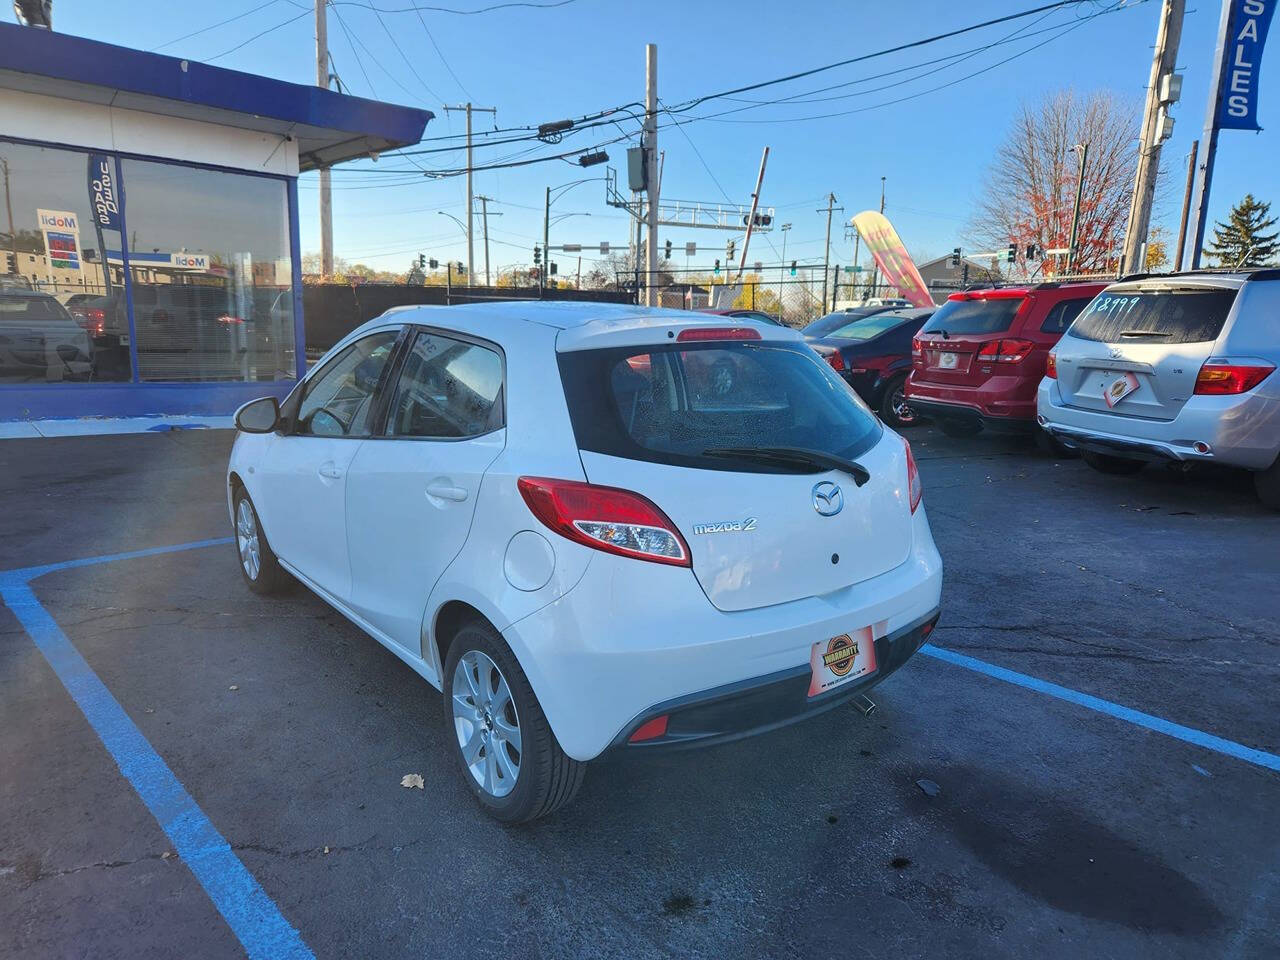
(412, 780)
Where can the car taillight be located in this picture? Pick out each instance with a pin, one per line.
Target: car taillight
(1220, 375)
(93, 319)
(1009, 350)
(915, 489)
(1051, 366)
(606, 518)
(717, 333)
(917, 348)
(836, 361)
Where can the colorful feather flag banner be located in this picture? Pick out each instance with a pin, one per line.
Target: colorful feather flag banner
(892, 257)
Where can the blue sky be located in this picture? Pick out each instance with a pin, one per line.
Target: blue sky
(537, 65)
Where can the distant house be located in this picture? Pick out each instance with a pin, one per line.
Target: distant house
(943, 279)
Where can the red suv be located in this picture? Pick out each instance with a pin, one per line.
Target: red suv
(979, 360)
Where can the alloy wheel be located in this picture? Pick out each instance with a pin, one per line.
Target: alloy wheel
(901, 409)
(486, 723)
(247, 540)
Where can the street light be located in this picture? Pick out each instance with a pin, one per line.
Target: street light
(560, 191)
(786, 228)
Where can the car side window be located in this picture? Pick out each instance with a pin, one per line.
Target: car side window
(1060, 317)
(339, 399)
(448, 389)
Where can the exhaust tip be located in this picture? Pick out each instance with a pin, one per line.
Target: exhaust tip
(864, 704)
(1201, 447)
(1041, 419)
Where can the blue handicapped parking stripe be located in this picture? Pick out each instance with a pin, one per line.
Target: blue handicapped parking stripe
(252, 915)
(1176, 730)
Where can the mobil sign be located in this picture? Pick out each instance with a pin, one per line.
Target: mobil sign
(62, 221)
(189, 261)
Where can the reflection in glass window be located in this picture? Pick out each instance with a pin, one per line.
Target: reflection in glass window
(212, 275)
(62, 306)
(448, 389)
(339, 398)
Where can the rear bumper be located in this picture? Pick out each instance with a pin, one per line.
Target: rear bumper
(1238, 431)
(1003, 402)
(633, 636)
(761, 704)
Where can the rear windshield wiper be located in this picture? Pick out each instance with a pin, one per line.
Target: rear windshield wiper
(813, 458)
(1145, 333)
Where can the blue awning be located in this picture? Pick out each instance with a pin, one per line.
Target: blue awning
(329, 127)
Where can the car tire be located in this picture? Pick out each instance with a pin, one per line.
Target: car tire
(487, 695)
(1105, 463)
(959, 428)
(894, 409)
(1266, 483)
(258, 564)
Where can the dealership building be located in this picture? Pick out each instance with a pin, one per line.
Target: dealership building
(149, 255)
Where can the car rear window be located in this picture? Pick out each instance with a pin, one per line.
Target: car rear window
(974, 316)
(670, 403)
(867, 328)
(1183, 315)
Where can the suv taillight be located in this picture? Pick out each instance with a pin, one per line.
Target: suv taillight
(1220, 375)
(917, 348)
(606, 518)
(836, 361)
(915, 489)
(1009, 350)
(1051, 366)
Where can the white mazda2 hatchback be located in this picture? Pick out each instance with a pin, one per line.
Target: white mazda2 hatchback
(595, 528)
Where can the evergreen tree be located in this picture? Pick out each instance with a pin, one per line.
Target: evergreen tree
(1242, 240)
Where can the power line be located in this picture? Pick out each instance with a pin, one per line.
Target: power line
(407, 63)
(440, 54)
(215, 26)
(463, 13)
(256, 36)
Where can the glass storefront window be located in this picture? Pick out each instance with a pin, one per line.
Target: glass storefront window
(62, 305)
(212, 275)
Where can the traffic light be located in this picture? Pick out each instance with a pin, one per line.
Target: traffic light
(10, 263)
(1033, 252)
(728, 250)
(1013, 252)
(422, 261)
(668, 250)
(793, 268)
(760, 219)
(433, 263)
(955, 257)
(555, 268)
(537, 254)
(717, 268)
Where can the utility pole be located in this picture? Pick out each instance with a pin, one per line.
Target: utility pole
(1083, 149)
(8, 206)
(484, 219)
(875, 269)
(751, 217)
(468, 108)
(1186, 203)
(546, 245)
(1161, 94)
(651, 164)
(326, 188)
(826, 255)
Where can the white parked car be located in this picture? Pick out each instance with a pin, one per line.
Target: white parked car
(594, 527)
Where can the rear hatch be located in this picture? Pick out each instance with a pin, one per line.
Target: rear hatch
(686, 424)
(1137, 349)
(950, 341)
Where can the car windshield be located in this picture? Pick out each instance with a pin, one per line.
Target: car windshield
(1179, 315)
(867, 328)
(36, 307)
(833, 321)
(672, 403)
(974, 316)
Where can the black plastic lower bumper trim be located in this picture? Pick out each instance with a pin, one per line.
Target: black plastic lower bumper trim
(755, 706)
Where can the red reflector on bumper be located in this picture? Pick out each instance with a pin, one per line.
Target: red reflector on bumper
(650, 730)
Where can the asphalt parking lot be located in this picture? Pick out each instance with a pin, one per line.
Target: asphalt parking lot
(1103, 730)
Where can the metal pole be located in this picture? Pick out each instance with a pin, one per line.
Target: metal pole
(826, 255)
(471, 250)
(579, 272)
(786, 228)
(751, 217)
(484, 217)
(1075, 215)
(13, 239)
(1186, 203)
(875, 268)
(1204, 180)
(1163, 63)
(326, 189)
(651, 161)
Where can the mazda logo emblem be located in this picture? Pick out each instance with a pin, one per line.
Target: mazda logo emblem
(827, 498)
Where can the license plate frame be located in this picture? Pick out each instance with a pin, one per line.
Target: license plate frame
(948, 360)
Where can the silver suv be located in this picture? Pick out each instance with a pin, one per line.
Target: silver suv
(1177, 367)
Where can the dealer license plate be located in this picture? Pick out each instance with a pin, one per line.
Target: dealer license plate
(1119, 388)
(947, 361)
(844, 658)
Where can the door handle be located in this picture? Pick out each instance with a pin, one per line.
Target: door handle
(330, 471)
(443, 490)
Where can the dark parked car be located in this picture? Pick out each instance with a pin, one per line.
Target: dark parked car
(40, 340)
(744, 314)
(825, 324)
(873, 353)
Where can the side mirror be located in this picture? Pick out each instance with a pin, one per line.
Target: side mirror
(258, 416)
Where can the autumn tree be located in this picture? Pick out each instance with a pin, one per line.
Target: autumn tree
(1030, 189)
(1243, 241)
